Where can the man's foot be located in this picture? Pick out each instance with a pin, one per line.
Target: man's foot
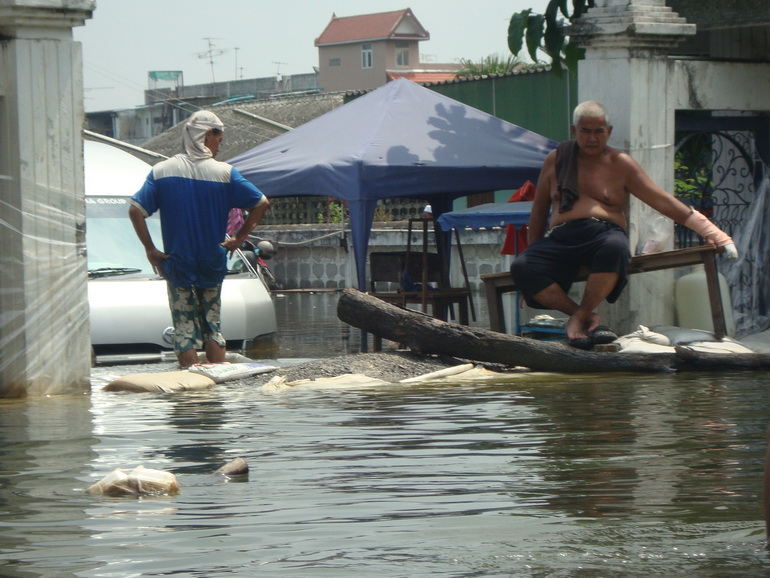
(580, 327)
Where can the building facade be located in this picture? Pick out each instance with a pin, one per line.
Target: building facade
(366, 51)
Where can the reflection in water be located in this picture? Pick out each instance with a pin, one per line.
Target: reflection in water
(603, 475)
(47, 445)
(308, 325)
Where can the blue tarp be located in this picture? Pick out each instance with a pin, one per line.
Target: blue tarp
(400, 140)
(487, 215)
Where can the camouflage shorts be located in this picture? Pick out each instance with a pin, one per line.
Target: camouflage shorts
(195, 313)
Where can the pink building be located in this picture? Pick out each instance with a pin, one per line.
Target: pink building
(366, 51)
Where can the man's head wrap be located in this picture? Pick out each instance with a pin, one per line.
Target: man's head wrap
(195, 130)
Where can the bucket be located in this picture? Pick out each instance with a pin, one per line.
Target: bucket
(693, 308)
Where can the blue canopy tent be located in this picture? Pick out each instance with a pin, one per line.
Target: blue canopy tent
(400, 140)
(487, 215)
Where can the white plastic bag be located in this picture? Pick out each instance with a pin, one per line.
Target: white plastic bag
(654, 235)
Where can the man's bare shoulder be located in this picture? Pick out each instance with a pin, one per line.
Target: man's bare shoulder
(617, 155)
(550, 160)
(621, 161)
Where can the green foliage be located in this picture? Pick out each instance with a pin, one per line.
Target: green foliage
(382, 214)
(335, 214)
(494, 64)
(545, 33)
(691, 185)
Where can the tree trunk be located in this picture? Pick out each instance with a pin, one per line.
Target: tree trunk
(425, 334)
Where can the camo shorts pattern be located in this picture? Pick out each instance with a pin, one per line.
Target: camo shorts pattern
(195, 313)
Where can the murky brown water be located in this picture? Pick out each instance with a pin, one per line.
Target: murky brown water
(540, 475)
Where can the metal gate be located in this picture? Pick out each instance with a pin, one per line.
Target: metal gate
(719, 173)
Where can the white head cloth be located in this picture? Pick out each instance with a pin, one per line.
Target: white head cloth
(195, 133)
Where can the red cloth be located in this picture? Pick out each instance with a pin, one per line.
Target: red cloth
(234, 221)
(525, 193)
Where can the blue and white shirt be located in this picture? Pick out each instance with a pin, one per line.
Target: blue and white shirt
(194, 199)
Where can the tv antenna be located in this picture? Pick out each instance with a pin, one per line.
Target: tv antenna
(278, 69)
(211, 53)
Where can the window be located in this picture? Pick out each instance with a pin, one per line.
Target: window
(366, 55)
(335, 62)
(402, 53)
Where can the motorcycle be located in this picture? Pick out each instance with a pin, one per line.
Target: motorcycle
(256, 255)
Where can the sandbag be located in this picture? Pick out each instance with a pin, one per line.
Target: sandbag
(683, 336)
(235, 467)
(344, 381)
(140, 481)
(165, 382)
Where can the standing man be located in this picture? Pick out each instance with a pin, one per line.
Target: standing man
(585, 186)
(194, 194)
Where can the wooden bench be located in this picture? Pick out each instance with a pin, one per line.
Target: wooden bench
(495, 284)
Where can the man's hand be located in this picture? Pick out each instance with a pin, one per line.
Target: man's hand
(231, 245)
(730, 251)
(156, 258)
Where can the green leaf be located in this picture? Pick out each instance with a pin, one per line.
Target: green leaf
(516, 28)
(573, 53)
(554, 38)
(551, 13)
(554, 41)
(535, 25)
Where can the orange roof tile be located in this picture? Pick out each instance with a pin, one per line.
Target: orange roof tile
(423, 76)
(369, 27)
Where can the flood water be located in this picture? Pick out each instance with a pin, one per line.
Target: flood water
(536, 475)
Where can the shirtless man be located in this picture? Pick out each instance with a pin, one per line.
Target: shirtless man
(587, 209)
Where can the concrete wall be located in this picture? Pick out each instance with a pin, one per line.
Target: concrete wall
(44, 336)
(339, 67)
(313, 256)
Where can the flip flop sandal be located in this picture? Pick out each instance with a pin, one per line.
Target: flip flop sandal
(602, 335)
(583, 343)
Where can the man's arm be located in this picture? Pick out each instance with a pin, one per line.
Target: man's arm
(154, 256)
(642, 187)
(541, 205)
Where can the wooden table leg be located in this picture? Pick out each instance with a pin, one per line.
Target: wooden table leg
(496, 311)
(715, 295)
(462, 310)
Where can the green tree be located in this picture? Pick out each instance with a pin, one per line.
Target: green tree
(545, 32)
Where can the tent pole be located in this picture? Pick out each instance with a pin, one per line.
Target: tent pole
(465, 274)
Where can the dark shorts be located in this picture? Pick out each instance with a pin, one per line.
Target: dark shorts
(195, 313)
(602, 246)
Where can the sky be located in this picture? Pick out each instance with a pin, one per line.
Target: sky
(126, 39)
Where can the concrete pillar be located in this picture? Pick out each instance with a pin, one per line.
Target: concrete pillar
(627, 69)
(44, 332)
